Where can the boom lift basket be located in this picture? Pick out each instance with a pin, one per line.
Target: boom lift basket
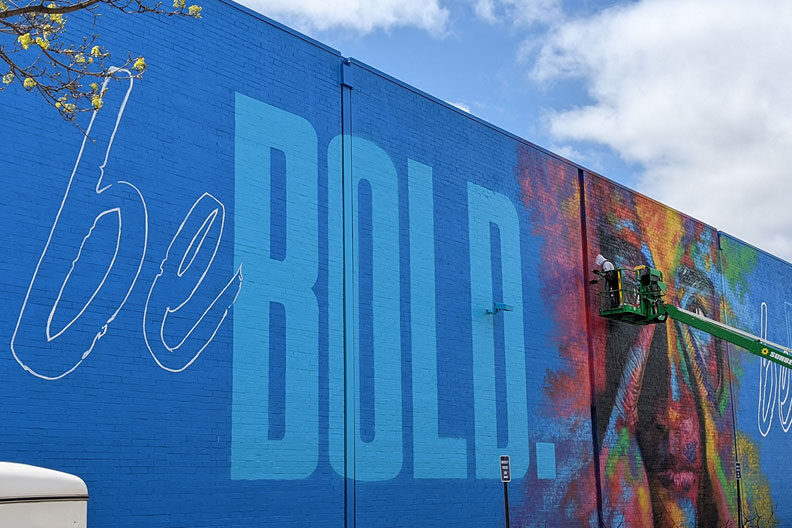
(631, 295)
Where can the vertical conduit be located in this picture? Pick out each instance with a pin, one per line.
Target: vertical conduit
(589, 342)
(350, 372)
(729, 348)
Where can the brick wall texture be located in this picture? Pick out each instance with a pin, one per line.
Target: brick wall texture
(260, 295)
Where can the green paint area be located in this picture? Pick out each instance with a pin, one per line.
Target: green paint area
(723, 401)
(729, 489)
(678, 255)
(739, 261)
(683, 366)
(621, 449)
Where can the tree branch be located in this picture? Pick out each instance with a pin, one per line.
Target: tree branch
(42, 9)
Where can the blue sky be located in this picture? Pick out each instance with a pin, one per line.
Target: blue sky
(684, 100)
(484, 66)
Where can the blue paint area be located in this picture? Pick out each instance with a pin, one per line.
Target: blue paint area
(674, 382)
(763, 416)
(690, 452)
(688, 512)
(545, 461)
(626, 223)
(378, 457)
(484, 208)
(646, 253)
(276, 418)
(365, 321)
(435, 456)
(288, 281)
(278, 204)
(502, 403)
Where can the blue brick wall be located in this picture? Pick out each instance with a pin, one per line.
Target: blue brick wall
(469, 211)
(757, 295)
(154, 441)
(268, 307)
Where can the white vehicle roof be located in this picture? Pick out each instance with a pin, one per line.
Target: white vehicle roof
(20, 481)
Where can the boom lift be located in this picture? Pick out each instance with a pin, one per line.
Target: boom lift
(635, 296)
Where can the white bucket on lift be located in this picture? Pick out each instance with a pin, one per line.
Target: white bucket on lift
(34, 497)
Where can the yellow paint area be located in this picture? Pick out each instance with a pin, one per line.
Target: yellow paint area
(663, 232)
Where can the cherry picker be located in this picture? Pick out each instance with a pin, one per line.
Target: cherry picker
(635, 296)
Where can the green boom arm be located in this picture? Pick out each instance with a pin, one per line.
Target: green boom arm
(753, 344)
(634, 295)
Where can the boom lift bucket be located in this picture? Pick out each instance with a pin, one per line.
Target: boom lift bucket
(632, 295)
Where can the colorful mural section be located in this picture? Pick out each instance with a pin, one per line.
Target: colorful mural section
(664, 417)
(550, 192)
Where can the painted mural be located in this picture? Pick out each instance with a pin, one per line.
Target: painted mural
(551, 193)
(272, 303)
(662, 391)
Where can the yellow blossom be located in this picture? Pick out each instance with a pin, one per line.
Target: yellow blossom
(140, 64)
(178, 4)
(25, 41)
(8, 78)
(69, 107)
(94, 87)
(29, 83)
(79, 58)
(43, 43)
(57, 18)
(3, 6)
(195, 11)
(97, 102)
(95, 51)
(61, 101)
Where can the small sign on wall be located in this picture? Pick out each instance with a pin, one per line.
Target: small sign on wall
(505, 467)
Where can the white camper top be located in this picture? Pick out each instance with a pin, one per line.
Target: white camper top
(23, 482)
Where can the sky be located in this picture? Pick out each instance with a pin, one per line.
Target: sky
(686, 101)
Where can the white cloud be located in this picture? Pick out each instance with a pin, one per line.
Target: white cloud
(520, 12)
(698, 93)
(358, 15)
(486, 9)
(571, 153)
